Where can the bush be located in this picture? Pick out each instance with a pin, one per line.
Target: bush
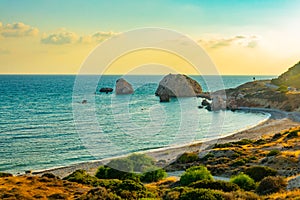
(154, 175)
(243, 181)
(105, 172)
(243, 142)
(225, 145)
(121, 164)
(276, 136)
(81, 176)
(215, 185)
(257, 173)
(260, 142)
(195, 174)
(273, 152)
(239, 162)
(292, 134)
(283, 89)
(201, 194)
(271, 185)
(130, 189)
(140, 162)
(207, 156)
(188, 157)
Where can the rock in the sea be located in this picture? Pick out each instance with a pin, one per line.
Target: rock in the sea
(218, 103)
(178, 85)
(123, 87)
(106, 90)
(164, 98)
(205, 102)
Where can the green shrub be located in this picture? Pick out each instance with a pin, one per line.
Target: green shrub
(188, 157)
(283, 89)
(271, 185)
(121, 164)
(201, 194)
(239, 162)
(257, 173)
(273, 152)
(154, 175)
(243, 142)
(207, 156)
(292, 134)
(260, 142)
(130, 189)
(105, 172)
(215, 185)
(175, 193)
(140, 162)
(276, 136)
(225, 145)
(195, 173)
(81, 176)
(243, 181)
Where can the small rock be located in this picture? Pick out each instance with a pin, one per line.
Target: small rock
(205, 102)
(164, 98)
(106, 90)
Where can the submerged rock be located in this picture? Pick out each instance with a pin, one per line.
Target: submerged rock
(123, 87)
(178, 85)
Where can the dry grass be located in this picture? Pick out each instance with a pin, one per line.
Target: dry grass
(28, 187)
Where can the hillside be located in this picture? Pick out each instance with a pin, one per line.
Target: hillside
(281, 93)
(290, 78)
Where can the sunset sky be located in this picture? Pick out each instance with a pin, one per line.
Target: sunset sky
(241, 37)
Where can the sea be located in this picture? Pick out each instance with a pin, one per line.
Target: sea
(46, 122)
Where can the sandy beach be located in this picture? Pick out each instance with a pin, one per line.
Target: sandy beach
(278, 121)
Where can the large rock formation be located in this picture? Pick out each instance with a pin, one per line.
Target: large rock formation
(264, 93)
(123, 87)
(178, 85)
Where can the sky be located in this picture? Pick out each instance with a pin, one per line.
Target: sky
(257, 37)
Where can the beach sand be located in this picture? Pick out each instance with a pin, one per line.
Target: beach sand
(278, 121)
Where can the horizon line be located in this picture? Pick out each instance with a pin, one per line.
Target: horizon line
(138, 74)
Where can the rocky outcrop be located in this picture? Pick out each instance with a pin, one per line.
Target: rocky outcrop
(178, 85)
(259, 94)
(123, 87)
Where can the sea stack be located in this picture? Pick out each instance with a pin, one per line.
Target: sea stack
(123, 87)
(178, 85)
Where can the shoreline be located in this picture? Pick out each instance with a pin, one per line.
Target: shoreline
(276, 122)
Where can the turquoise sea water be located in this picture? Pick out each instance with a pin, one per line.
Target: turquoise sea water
(44, 125)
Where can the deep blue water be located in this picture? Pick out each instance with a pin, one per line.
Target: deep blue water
(44, 125)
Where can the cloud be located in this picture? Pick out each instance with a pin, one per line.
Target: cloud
(97, 37)
(66, 37)
(238, 40)
(18, 29)
(63, 37)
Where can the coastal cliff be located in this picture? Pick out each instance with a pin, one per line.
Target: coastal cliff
(266, 94)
